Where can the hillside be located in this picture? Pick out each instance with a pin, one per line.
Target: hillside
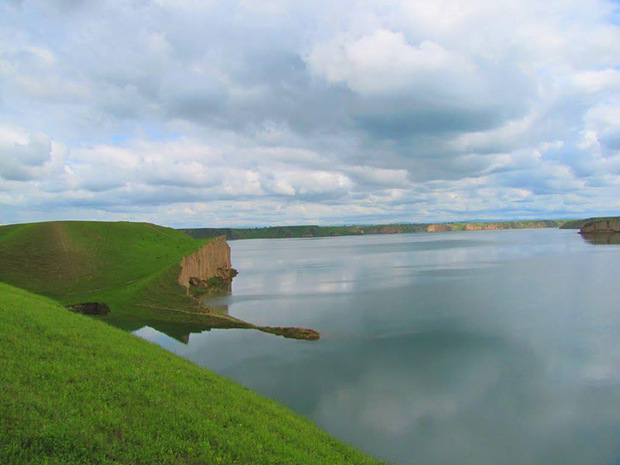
(131, 267)
(573, 224)
(76, 261)
(280, 232)
(74, 391)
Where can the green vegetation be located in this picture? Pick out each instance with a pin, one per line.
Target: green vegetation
(501, 225)
(75, 261)
(280, 232)
(76, 391)
(603, 219)
(132, 267)
(578, 224)
(574, 224)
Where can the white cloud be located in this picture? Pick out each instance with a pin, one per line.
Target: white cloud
(285, 112)
(26, 156)
(607, 80)
(383, 62)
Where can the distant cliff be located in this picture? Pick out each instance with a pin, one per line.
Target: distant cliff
(212, 260)
(601, 226)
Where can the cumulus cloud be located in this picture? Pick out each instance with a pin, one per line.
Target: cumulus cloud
(234, 113)
(28, 157)
(384, 63)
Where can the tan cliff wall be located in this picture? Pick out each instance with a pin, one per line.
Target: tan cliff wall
(438, 227)
(481, 227)
(212, 259)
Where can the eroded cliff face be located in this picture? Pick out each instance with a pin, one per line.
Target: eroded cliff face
(481, 227)
(210, 261)
(601, 227)
(439, 228)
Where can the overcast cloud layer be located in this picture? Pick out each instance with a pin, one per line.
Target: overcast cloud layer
(221, 113)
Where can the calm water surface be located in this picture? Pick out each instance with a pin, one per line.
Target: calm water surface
(477, 347)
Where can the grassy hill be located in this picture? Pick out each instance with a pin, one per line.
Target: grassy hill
(132, 267)
(75, 391)
(80, 260)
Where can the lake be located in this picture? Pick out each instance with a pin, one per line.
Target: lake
(479, 347)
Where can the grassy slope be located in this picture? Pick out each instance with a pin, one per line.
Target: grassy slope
(74, 390)
(578, 224)
(573, 224)
(130, 266)
(75, 260)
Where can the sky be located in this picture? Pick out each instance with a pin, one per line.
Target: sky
(206, 113)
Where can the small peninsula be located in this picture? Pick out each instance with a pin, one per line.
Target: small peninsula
(139, 274)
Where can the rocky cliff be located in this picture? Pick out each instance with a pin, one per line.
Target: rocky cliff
(601, 226)
(482, 227)
(212, 260)
(441, 227)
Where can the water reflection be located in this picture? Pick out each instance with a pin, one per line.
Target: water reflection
(602, 238)
(215, 299)
(455, 397)
(213, 315)
(180, 330)
(501, 347)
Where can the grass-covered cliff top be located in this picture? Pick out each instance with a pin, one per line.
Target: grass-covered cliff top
(132, 267)
(280, 232)
(74, 390)
(81, 260)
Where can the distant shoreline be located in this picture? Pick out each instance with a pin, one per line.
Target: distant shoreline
(283, 232)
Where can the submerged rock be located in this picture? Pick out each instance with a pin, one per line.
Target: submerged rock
(291, 332)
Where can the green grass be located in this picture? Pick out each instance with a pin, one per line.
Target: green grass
(574, 224)
(578, 224)
(132, 267)
(74, 390)
(75, 260)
